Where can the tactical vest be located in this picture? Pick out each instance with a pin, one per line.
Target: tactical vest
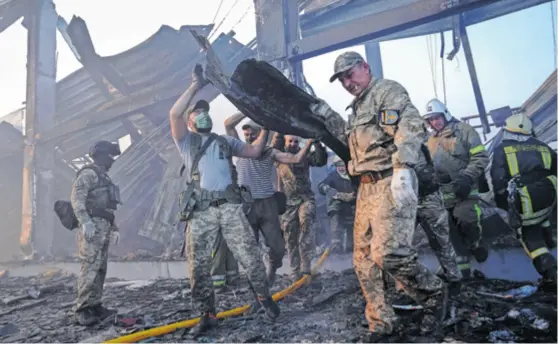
(105, 195)
(195, 198)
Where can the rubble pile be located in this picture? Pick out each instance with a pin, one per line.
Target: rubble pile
(330, 309)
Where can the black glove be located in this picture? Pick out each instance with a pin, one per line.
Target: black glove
(462, 186)
(197, 75)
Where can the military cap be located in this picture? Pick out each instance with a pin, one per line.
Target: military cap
(344, 62)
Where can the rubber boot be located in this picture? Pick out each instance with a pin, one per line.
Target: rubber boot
(549, 237)
(208, 320)
(86, 317)
(548, 283)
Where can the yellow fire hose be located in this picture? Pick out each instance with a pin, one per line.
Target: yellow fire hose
(165, 329)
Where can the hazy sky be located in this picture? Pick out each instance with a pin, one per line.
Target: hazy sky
(513, 54)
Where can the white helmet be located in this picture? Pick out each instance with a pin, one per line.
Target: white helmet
(435, 108)
(519, 123)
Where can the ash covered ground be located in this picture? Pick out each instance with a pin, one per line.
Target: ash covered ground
(330, 309)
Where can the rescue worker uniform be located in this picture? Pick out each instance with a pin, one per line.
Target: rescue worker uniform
(213, 203)
(384, 134)
(341, 204)
(533, 165)
(300, 211)
(94, 199)
(460, 159)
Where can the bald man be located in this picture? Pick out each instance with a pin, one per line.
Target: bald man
(298, 219)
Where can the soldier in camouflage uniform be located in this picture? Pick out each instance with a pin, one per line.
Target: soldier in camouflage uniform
(460, 160)
(300, 214)
(94, 198)
(340, 206)
(384, 135)
(218, 202)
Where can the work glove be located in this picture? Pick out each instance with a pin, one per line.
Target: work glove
(197, 75)
(402, 187)
(344, 196)
(115, 237)
(462, 186)
(88, 229)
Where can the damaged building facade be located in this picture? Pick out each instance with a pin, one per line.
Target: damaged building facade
(123, 95)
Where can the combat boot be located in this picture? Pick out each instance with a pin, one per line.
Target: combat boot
(271, 307)
(435, 311)
(103, 312)
(86, 317)
(208, 320)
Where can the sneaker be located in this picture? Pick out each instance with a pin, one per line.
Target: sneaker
(208, 321)
(86, 317)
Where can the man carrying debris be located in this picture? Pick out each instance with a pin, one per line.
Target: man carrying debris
(340, 206)
(460, 160)
(384, 135)
(94, 199)
(213, 202)
(300, 214)
(531, 165)
(256, 175)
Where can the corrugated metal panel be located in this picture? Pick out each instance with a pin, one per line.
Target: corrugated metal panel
(78, 95)
(174, 52)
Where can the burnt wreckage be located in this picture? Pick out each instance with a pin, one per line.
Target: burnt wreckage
(124, 95)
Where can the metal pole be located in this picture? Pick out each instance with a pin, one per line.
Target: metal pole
(473, 74)
(38, 162)
(374, 58)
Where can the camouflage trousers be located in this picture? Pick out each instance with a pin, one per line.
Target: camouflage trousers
(93, 257)
(202, 232)
(225, 267)
(434, 220)
(298, 226)
(383, 236)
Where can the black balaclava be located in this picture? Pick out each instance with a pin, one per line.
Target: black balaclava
(103, 154)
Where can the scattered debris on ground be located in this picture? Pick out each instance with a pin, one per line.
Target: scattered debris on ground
(330, 309)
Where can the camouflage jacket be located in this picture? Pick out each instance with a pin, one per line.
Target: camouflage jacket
(295, 178)
(83, 193)
(455, 150)
(384, 130)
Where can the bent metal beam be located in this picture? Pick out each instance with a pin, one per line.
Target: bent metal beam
(378, 24)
